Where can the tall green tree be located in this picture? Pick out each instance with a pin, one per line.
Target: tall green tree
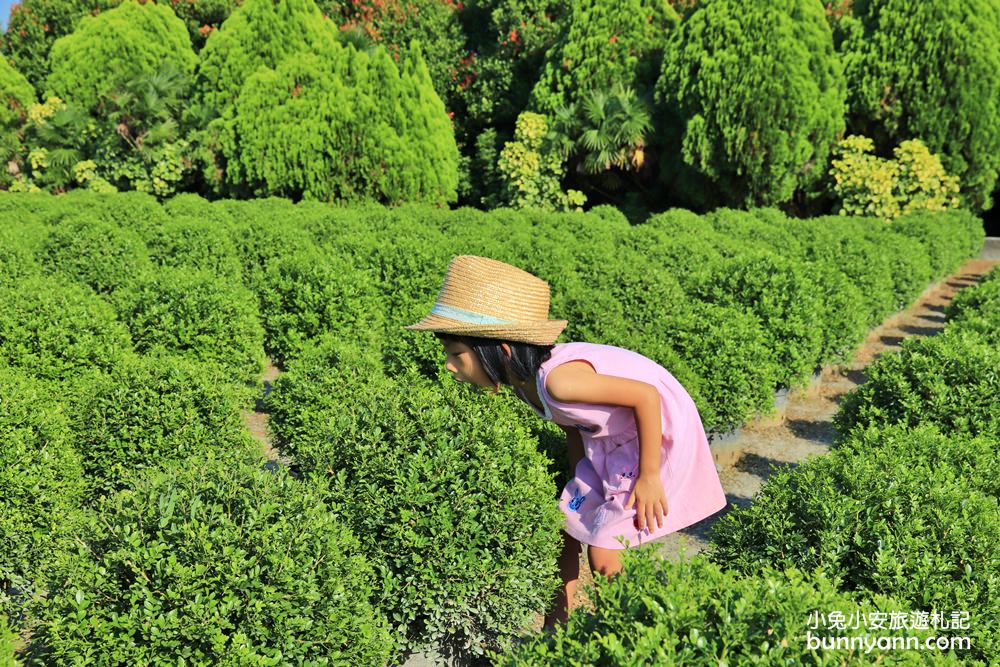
(604, 42)
(343, 125)
(752, 97)
(108, 50)
(16, 97)
(930, 71)
(260, 33)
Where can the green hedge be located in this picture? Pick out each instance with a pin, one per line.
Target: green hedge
(692, 613)
(150, 411)
(195, 241)
(910, 513)
(977, 310)
(56, 330)
(41, 482)
(100, 254)
(447, 492)
(952, 379)
(213, 561)
(196, 314)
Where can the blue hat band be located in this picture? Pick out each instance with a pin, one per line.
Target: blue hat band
(466, 315)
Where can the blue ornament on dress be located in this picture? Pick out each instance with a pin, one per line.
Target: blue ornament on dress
(576, 500)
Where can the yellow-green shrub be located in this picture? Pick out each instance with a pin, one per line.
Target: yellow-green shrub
(869, 185)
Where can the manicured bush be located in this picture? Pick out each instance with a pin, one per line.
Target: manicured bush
(41, 482)
(151, 411)
(866, 263)
(16, 259)
(213, 561)
(947, 96)
(197, 314)
(950, 379)
(344, 126)
(604, 43)
(977, 310)
(107, 50)
(782, 297)
(54, 329)
(194, 242)
(752, 95)
(692, 612)
(32, 27)
(309, 293)
(905, 517)
(448, 494)
(100, 254)
(949, 237)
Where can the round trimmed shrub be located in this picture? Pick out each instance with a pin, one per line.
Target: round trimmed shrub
(977, 310)
(55, 330)
(782, 297)
(843, 243)
(952, 379)
(949, 237)
(947, 96)
(693, 613)
(195, 243)
(899, 518)
(447, 492)
(214, 561)
(17, 261)
(197, 314)
(97, 253)
(41, 483)
(105, 51)
(344, 126)
(844, 322)
(151, 411)
(309, 293)
(753, 98)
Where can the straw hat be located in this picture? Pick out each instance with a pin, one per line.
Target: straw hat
(490, 299)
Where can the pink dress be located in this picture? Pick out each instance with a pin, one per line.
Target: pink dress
(594, 499)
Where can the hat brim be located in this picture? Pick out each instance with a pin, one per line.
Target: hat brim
(541, 333)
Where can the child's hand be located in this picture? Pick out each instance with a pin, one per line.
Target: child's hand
(650, 501)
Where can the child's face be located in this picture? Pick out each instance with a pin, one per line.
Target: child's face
(464, 365)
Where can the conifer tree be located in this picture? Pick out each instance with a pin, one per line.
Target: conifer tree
(342, 125)
(930, 71)
(107, 51)
(752, 99)
(604, 43)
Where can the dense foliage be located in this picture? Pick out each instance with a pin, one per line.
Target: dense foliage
(753, 96)
(451, 499)
(108, 50)
(947, 96)
(213, 561)
(344, 126)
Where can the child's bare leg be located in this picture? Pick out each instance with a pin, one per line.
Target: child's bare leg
(606, 561)
(569, 570)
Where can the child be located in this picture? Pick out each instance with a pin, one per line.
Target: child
(637, 449)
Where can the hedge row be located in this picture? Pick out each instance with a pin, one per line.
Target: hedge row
(729, 302)
(907, 504)
(901, 516)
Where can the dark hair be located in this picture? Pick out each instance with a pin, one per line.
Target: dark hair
(525, 358)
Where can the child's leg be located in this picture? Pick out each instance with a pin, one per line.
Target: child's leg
(569, 570)
(606, 561)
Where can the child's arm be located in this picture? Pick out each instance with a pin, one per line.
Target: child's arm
(580, 383)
